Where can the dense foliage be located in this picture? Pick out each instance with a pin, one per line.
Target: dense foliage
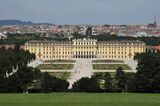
(19, 81)
(145, 80)
(16, 77)
(13, 58)
(120, 80)
(53, 84)
(86, 85)
(21, 39)
(103, 82)
(12, 67)
(107, 37)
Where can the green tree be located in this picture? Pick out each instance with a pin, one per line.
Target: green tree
(147, 78)
(86, 85)
(46, 82)
(120, 80)
(108, 82)
(89, 31)
(53, 84)
(20, 81)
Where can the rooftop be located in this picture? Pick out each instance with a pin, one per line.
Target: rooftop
(89, 40)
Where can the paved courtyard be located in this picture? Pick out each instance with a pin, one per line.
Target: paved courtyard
(82, 68)
(132, 63)
(35, 63)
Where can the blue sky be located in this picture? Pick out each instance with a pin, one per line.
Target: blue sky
(81, 11)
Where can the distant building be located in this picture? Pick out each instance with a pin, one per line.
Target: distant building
(153, 25)
(12, 46)
(85, 48)
(154, 49)
(7, 46)
(141, 34)
(3, 36)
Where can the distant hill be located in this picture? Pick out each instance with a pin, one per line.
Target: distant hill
(19, 22)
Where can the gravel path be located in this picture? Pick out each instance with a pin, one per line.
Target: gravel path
(35, 63)
(82, 68)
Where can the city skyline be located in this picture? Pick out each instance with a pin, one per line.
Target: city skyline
(81, 12)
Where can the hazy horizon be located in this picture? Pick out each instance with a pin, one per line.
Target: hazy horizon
(81, 11)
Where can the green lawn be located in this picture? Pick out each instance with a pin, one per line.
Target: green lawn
(110, 66)
(108, 61)
(61, 75)
(55, 66)
(82, 99)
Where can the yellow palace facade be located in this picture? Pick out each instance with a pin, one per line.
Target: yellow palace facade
(85, 48)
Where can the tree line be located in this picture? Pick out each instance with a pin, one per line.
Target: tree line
(151, 41)
(25, 79)
(145, 80)
(12, 58)
(21, 39)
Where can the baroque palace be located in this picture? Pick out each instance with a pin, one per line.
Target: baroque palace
(85, 48)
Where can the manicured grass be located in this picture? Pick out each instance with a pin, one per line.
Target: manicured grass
(55, 66)
(108, 61)
(114, 73)
(60, 61)
(79, 99)
(61, 75)
(110, 66)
